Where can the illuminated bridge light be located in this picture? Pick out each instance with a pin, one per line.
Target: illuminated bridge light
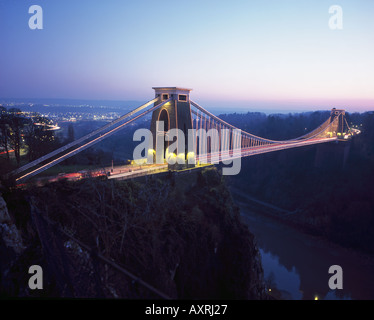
(181, 156)
(172, 155)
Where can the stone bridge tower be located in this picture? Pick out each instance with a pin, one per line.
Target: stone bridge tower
(176, 114)
(338, 127)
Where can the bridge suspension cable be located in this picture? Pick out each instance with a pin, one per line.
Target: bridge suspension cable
(314, 133)
(225, 143)
(82, 139)
(92, 142)
(235, 143)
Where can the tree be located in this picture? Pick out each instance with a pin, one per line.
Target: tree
(16, 123)
(4, 130)
(71, 134)
(38, 138)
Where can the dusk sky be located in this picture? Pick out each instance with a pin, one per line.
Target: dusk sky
(257, 54)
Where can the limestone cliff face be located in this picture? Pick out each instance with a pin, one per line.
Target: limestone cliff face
(181, 234)
(8, 231)
(11, 248)
(4, 215)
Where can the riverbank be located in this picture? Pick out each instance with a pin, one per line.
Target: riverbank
(285, 217)
(296, 262)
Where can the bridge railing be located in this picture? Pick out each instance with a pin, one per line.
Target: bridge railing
(203, 112)
(203, 119)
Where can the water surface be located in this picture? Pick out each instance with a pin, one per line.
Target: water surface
(296, 264)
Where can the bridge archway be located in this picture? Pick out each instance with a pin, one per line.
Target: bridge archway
(164, 122)
(164, 117)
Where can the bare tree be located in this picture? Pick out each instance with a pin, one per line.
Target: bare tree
(4, 130)
(16, 123)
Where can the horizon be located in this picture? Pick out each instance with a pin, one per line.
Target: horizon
(247, 54)
(214, 106)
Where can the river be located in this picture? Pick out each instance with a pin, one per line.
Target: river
(296, 264)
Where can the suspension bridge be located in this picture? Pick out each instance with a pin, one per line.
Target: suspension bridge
(207, 139)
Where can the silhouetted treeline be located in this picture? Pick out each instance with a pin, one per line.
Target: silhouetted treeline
(330, 186)
(26, 137)
(277, 126)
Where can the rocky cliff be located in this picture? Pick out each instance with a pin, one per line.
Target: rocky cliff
(181, 235)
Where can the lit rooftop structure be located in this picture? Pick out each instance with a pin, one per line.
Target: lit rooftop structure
(176, 93)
